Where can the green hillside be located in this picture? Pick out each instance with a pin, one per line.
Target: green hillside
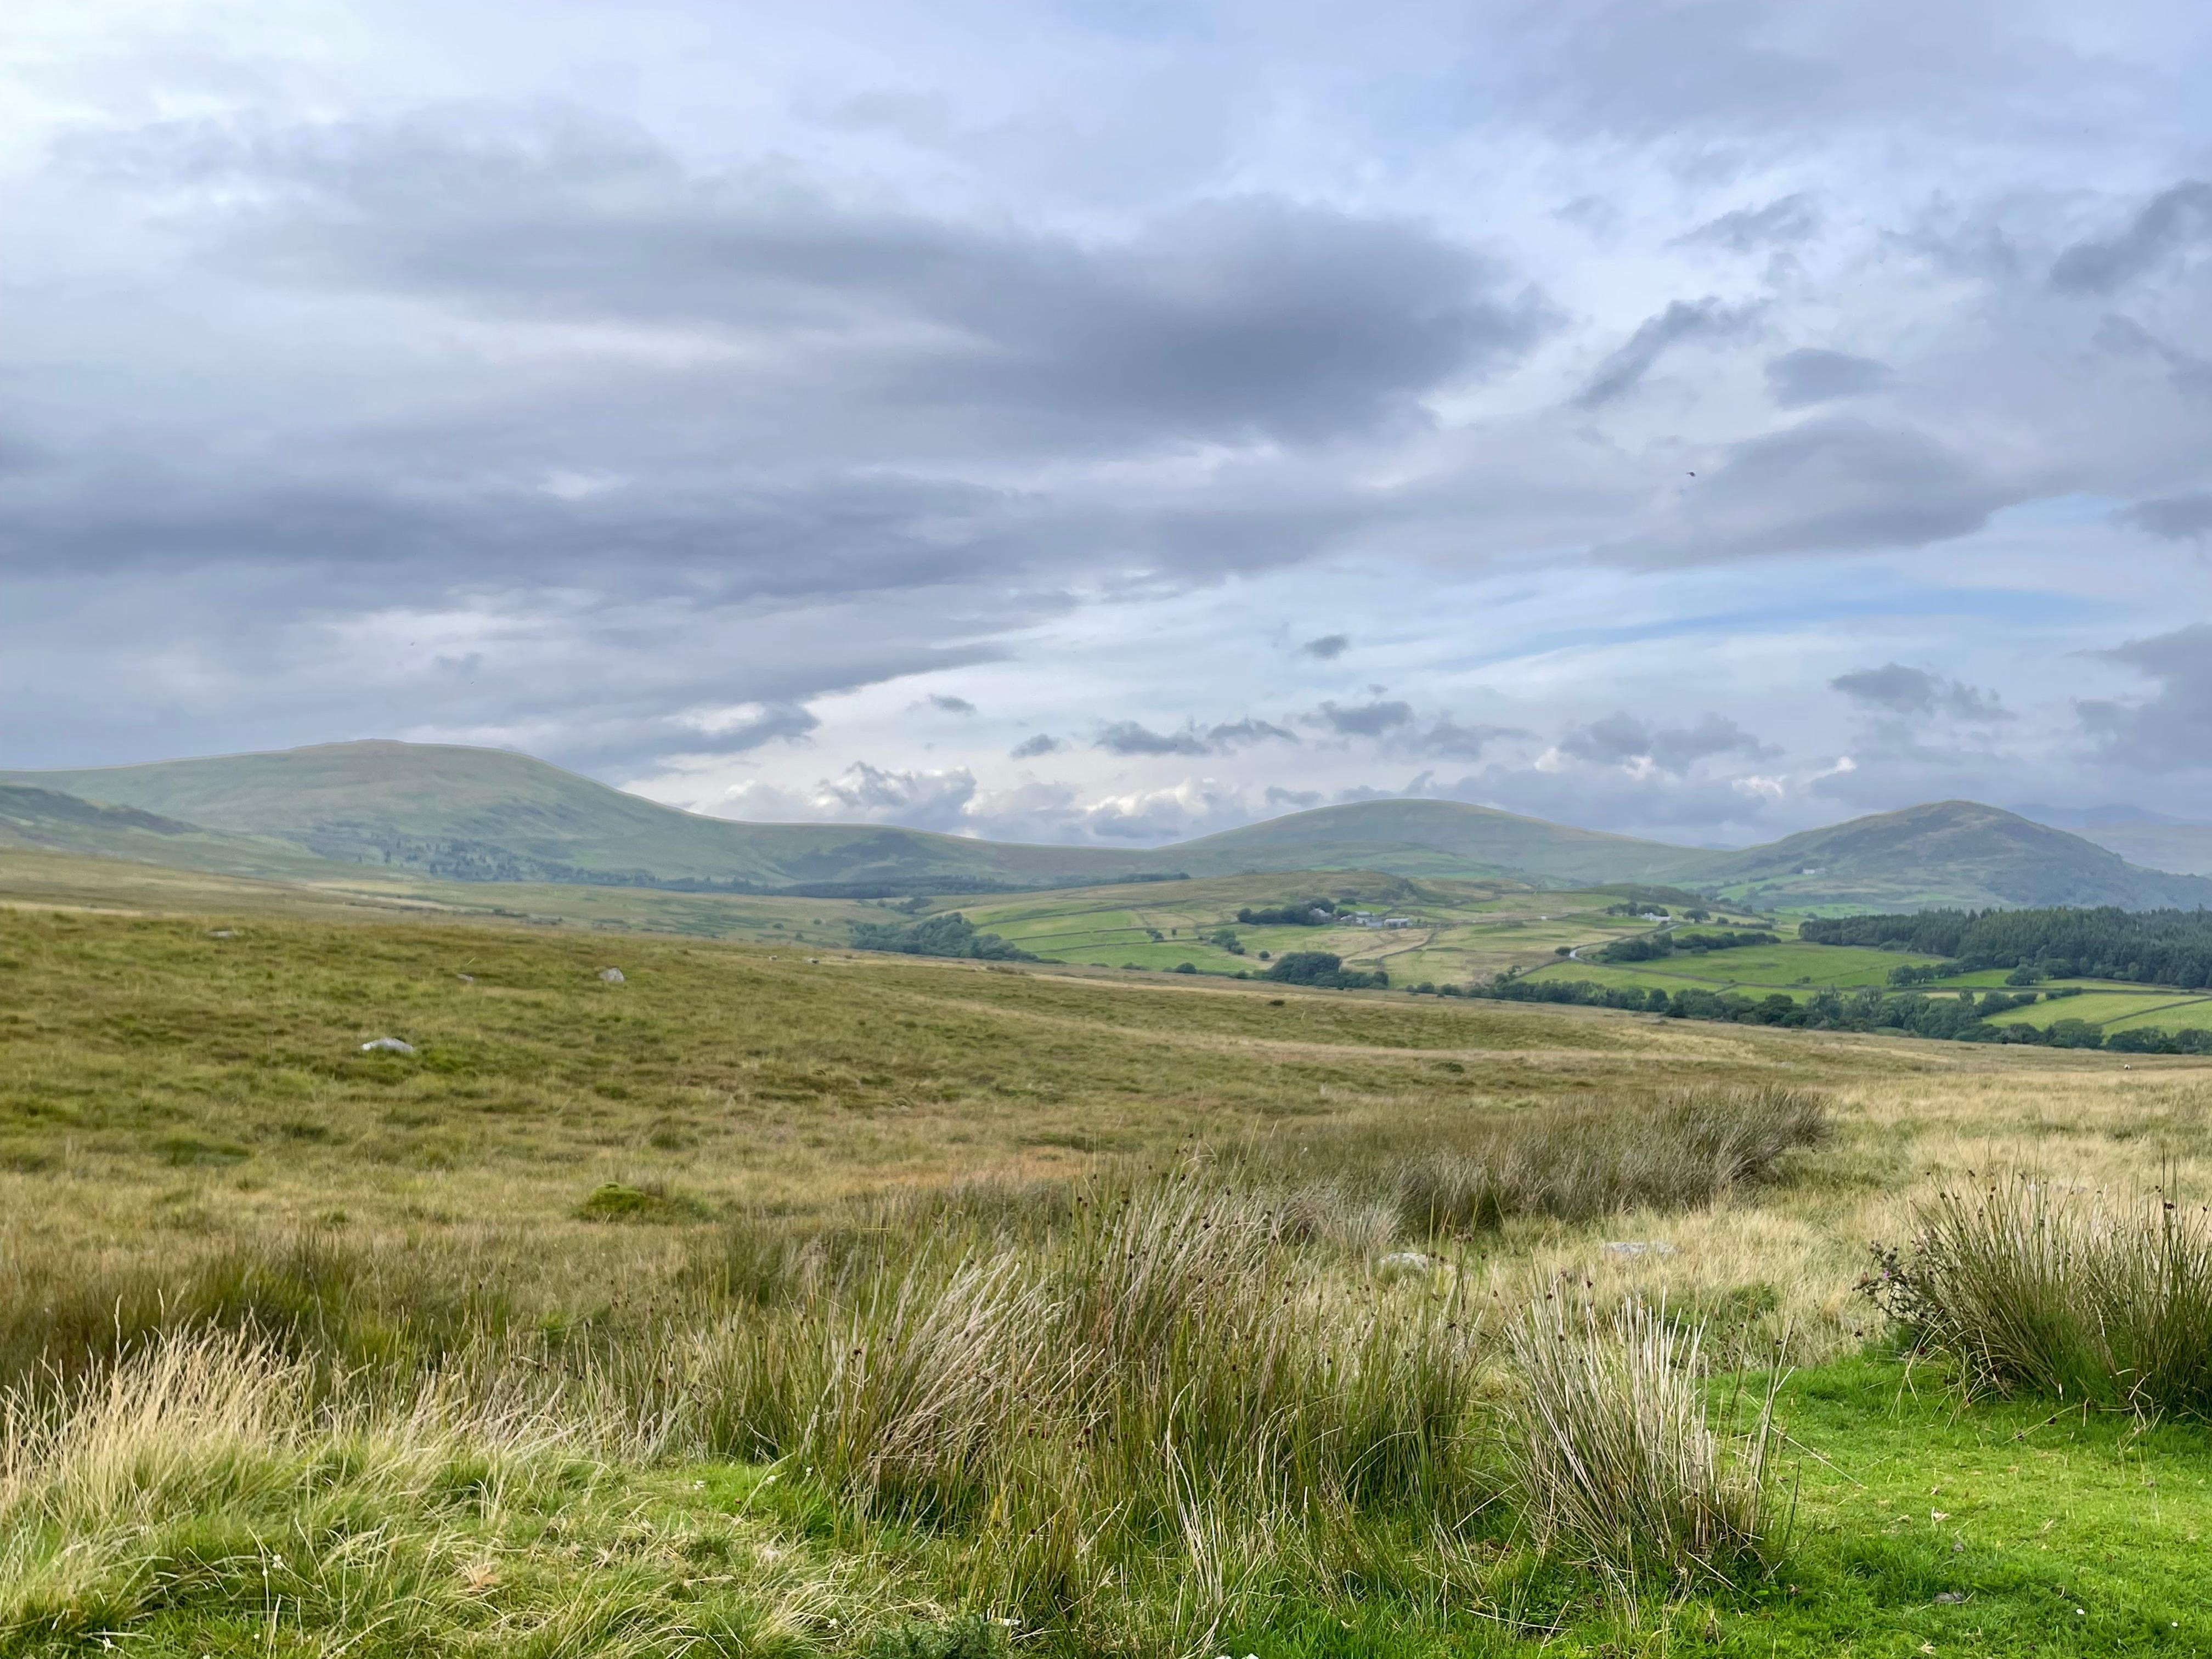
(1439, 838)
(488, 815)
(482, 815)
(1950, 852)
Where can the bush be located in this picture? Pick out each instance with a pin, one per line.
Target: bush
(2029, 1286)
(1324, 969)
(651, 1202)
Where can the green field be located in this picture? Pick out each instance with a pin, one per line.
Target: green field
(2114, 1011)
(1462, 931)
(1800, 970)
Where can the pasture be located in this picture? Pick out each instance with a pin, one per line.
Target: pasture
(868, 1306)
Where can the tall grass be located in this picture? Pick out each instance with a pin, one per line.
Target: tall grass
(2061, 1292)
(1580, 1159)
(1131, 1408)
(1615, 1456)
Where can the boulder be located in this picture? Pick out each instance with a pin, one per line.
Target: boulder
(610, 975)
(1639, 1246)
(388, 1046)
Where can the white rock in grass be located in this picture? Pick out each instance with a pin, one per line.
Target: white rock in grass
(1639, 1246)
(1408, 1264)
(388, 1046)
(611, 976)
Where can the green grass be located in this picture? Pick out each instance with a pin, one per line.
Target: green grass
(1466, 930)
(2144, 1006)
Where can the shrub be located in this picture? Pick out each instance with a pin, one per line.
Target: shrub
(2054, 1290)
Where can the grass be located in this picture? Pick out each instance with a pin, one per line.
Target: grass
(2061, 1293)
(847, 1308)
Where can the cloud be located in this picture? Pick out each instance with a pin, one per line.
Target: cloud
(1896, 689)
(1295, 800)
(2174, 518)
(2170, 730)
(1831, 483)
(951, 705)
(1786, 219)
(1128, 738)
(1327, 648)
(1622, 372)
(735, 728)
(2188, 372)
(1364, 720)
(1448, 740)
(1042, 743)
(861, 794)
(1621, 739)
(1810, 375)
(2174, 219)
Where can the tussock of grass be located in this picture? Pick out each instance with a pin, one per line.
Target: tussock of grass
(2060, 1291)
(1616, 1459)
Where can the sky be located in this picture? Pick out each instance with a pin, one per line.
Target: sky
(1108, 423)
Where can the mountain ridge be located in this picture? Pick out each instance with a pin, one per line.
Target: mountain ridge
(493, 815)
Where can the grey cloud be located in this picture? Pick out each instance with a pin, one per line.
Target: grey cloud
(1620, 738)
(2170, 730)
(1128, 738)
(1042, 743)
(1811, 375)
(1787, 219)
(1833, 484)
(1449, 740)
(1364, 719)
(2170, 221)
(2190, 372)
(1225, 319)
(1327, 648)
(1704, 319)
(1898, 689)
(1296, 800)
(951, 705)
(2175, 517)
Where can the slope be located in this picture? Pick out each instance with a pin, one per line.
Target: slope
(488, 815)
(1951, 851)
(1437, 838)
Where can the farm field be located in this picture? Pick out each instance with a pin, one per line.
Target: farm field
(492, 1348)
(2143, 1005)
(1800, 970)
(1460, 930)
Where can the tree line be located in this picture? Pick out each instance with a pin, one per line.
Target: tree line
(2151, 947)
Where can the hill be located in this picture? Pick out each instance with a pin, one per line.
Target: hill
(2149, 839)
(1439, 838)
(482, 815)
(488, 815)
(1950, 852)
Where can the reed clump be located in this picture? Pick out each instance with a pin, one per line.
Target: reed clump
(2059, 1290)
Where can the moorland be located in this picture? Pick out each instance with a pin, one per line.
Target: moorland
(781, 1297)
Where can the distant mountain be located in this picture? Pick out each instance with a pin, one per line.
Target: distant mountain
(2150, 839)
(1437, 838)
(1952, 852)
(488, 815)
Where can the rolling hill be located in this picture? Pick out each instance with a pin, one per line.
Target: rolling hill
(490, 816)
(1437, 838)
(2149, 839)
(1950, 852)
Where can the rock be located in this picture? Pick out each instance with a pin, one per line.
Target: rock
(1409, 1264)
(1639, 1246)
(610, 975)
(222, 932)
(467, 979)
(388, 1046)
(1951, 1599)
